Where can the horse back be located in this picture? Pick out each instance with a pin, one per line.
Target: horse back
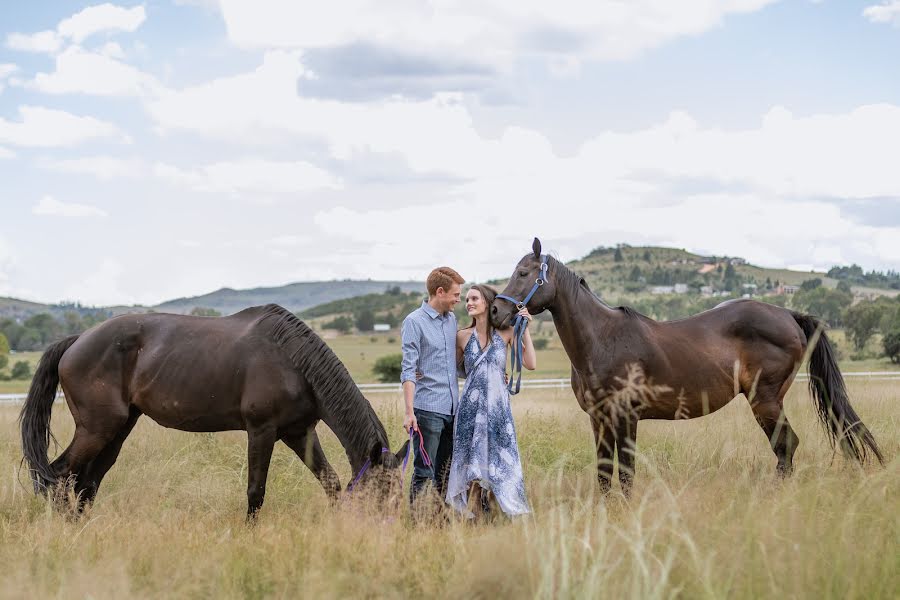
(191, 373)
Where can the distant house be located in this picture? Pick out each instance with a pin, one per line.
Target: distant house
(737, 261)
(707, 290)
(662, 289)
(786, 290)
(381, 327)
(680, 288)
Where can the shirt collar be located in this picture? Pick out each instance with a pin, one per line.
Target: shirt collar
(430, 310)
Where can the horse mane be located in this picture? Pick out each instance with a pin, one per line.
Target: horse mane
(576, 284)
(332, 385)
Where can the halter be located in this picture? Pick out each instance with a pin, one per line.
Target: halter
(519, 325)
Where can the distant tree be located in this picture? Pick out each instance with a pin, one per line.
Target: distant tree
(388, 368)
(824, 303)
(202, 311)
(617, 257)
(891, 343)
(4, 345)
(810, 284)
(342, 324)
(861, 322)
(635, 274)
(730, 279)
(394, 291)
(365, 320)
(20, 370)
(844, 287)
(4, 360)
(540, 343)
(647, 256)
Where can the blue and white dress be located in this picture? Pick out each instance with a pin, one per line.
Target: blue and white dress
(484, 437)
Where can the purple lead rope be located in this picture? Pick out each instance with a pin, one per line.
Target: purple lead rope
(409, 448)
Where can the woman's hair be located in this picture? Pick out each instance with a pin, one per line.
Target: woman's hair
(488, 293)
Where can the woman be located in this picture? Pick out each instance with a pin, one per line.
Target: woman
(485, 453)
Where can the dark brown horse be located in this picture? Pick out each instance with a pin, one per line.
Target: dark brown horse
(261, 370)
(627, 367)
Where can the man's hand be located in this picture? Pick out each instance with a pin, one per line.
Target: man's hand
(410, 421)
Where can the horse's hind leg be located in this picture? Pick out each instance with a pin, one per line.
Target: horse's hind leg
(305, 443)
(260, 443)
(768, 408)
(94, 471)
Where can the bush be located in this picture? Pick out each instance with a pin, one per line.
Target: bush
(540, 343)
(891, 343)
(387, 368)
(21, 370)
(342, 324)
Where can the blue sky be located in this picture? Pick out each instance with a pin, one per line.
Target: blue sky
(164, 149)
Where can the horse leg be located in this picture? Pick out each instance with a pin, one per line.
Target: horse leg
(605, 441)
(626, 445)
(305, 443)
(769, 413)
(87, 444)
(260, 443)
(94, 471)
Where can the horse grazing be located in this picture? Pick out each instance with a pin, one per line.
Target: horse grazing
(261, 370)
(627, 367)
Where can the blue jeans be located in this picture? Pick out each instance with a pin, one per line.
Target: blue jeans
(437, 434)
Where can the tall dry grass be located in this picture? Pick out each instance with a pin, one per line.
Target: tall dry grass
(707, 519)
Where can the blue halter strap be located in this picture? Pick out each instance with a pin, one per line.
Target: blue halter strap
(519, 325)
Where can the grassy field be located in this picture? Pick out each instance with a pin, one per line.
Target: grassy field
(708, 518)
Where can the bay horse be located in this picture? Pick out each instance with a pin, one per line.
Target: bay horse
(261, 370)
(627, 367)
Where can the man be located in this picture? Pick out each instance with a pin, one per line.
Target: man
(429, 348)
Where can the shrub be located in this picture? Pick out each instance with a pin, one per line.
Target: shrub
(891, 343)
(387, 368)
(540, 343)
(21, 370)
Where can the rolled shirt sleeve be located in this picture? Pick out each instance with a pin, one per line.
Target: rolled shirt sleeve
(410, 339)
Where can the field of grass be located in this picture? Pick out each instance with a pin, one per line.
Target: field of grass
(707, 519)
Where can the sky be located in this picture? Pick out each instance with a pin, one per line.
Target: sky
(169, 148)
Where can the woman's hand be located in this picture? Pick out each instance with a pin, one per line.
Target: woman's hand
(524, 313)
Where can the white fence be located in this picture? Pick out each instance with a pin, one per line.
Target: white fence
(531, 384)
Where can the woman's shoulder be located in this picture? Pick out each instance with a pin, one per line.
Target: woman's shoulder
(463, 334)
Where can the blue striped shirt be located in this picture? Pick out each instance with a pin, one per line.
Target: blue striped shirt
(429, 346)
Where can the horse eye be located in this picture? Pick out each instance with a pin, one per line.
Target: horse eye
(523, 273)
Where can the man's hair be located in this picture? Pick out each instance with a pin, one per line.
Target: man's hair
(442, 277)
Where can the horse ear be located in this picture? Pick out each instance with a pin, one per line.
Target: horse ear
(536, 247)
(401, 454)
(376, 455)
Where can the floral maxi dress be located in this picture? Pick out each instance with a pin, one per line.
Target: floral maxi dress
(484, 437)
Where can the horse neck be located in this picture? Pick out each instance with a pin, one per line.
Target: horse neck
(580, 317)
(358, 429)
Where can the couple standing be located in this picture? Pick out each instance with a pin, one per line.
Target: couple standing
(469, 437)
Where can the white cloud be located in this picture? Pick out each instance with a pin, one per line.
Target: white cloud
(101, 287)
(491, 31)
(81, 71)
(250, 175)
(4, 153)
(51, 207)
(886, 12)
(42, 41)
(112, 50)
(104, 17)
(46, 127)
(102, 167)
(786, 155)
(89, 21)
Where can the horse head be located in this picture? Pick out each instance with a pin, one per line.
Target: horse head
(380, 477)
(529, 278)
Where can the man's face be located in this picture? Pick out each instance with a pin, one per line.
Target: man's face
(448, 299)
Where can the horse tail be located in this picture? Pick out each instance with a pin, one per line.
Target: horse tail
(34, 420)
(826, 384)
